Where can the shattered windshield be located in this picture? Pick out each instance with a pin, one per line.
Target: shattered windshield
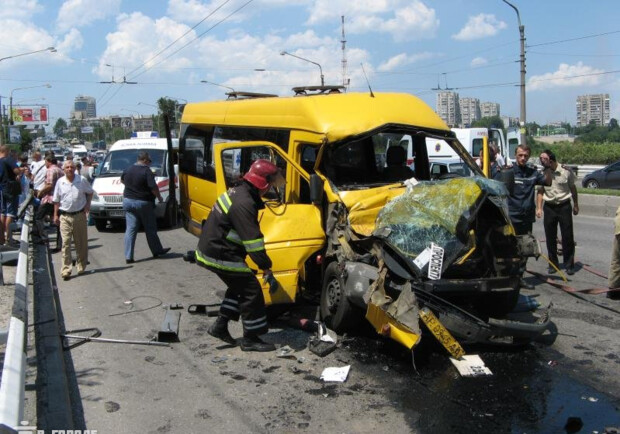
(437, 212)
(390, 156)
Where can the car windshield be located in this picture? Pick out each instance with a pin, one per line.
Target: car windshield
(389, 156)
(117, 161)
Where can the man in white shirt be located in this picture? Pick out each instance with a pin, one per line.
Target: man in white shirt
(72, 196)
(37, 172)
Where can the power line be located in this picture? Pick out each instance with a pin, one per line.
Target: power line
(574, 39)
(180, 37)
(573, 54)
(197, 37)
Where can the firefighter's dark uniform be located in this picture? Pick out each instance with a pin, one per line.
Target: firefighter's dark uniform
(229, 234)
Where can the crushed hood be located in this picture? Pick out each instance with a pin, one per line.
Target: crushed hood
(438, 212)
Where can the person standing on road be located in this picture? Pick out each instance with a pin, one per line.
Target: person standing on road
(521, 204)
(45, 194)
(139, 205)
(614, 267)
(9, 171)
(72, 196)
(558, 210)
(38, 169)
(230, 233)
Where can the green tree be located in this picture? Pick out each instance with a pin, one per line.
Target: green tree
(60, 126)
(613, 124)
(167, 107)
(26, 140)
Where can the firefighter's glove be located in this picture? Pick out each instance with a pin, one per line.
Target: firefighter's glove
(272, 282)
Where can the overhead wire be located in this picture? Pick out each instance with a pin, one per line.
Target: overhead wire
(196, 38)
(180, 37)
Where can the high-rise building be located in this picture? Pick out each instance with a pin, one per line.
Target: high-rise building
(593, 108)
(489, 109)
(470, 111)
(84, 107)
(448, 108)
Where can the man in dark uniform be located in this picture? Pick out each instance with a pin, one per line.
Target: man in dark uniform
(229, 234)
(521, 202)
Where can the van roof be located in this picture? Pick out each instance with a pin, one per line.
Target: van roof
(146, 143)
(335, 115)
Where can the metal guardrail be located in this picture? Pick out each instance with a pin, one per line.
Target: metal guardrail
(12, 386)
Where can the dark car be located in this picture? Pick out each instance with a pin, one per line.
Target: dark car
(607, 177)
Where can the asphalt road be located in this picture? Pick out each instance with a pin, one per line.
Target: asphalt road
(196, 385)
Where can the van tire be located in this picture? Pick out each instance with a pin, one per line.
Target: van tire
(336, 309)
(101, 224)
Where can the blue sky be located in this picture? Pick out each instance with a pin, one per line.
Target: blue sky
(169, 46)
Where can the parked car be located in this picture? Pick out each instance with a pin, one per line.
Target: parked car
(454, 166)
(607, 177)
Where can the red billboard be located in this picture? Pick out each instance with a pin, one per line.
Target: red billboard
(30, 115)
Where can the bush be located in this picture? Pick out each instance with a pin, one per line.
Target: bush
(580, 153)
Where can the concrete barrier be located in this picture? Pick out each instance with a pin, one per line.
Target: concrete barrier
(597, 205)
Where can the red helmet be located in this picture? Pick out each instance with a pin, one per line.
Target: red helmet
(261, 173)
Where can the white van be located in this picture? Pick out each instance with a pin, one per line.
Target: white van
(471, 139)
(107, 203)
(79, 152)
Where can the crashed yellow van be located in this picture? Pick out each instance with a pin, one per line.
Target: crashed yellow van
(356, 227)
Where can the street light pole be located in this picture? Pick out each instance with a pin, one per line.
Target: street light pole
(522, 61)
(50, 49)
(283, 53)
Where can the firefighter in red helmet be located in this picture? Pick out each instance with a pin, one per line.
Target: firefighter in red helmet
(230, 233)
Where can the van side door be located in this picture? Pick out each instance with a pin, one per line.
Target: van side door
(293, 229)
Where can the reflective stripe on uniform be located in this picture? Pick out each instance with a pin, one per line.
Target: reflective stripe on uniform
(234, 237)
(224, 202)
(230, 304)
(255, 324)
(254, 245)
(222, 265)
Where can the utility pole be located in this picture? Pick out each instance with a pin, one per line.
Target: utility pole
(345, 81)
(522, 119)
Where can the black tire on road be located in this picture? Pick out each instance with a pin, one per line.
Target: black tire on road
(101, 224)
(592, 183)
(336, 310)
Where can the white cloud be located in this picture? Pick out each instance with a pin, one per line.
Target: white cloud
(478, 61)
(24, 37)
(403, 59)
(72, 40)
(139, 38)
(480, 26)
(577, 75)
(403, 20)
(20, 9)
(79, 13)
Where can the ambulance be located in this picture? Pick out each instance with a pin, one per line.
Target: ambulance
(107, 202)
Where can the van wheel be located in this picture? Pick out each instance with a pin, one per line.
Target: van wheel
(101, 224)
(336, 310)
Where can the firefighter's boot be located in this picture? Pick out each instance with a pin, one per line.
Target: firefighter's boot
(219, 330)
(254, 343)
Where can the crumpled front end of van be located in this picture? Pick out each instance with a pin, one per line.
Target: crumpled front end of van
(472, 286)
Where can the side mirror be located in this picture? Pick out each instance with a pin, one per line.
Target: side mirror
(316, 189)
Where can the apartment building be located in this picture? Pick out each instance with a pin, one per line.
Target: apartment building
(593, 108)
(489, 109)
(470, 111)
(448, 108)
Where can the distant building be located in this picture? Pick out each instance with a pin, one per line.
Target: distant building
(510, 121)
(489, 109)
(84, 107)
(448, 108)
(470, 111)
(593, 108)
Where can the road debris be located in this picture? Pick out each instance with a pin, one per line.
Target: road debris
(335, 374)
(324, 342)
(470, 365)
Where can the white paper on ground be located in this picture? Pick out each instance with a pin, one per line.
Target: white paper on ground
(470, 365)
(335, 374)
